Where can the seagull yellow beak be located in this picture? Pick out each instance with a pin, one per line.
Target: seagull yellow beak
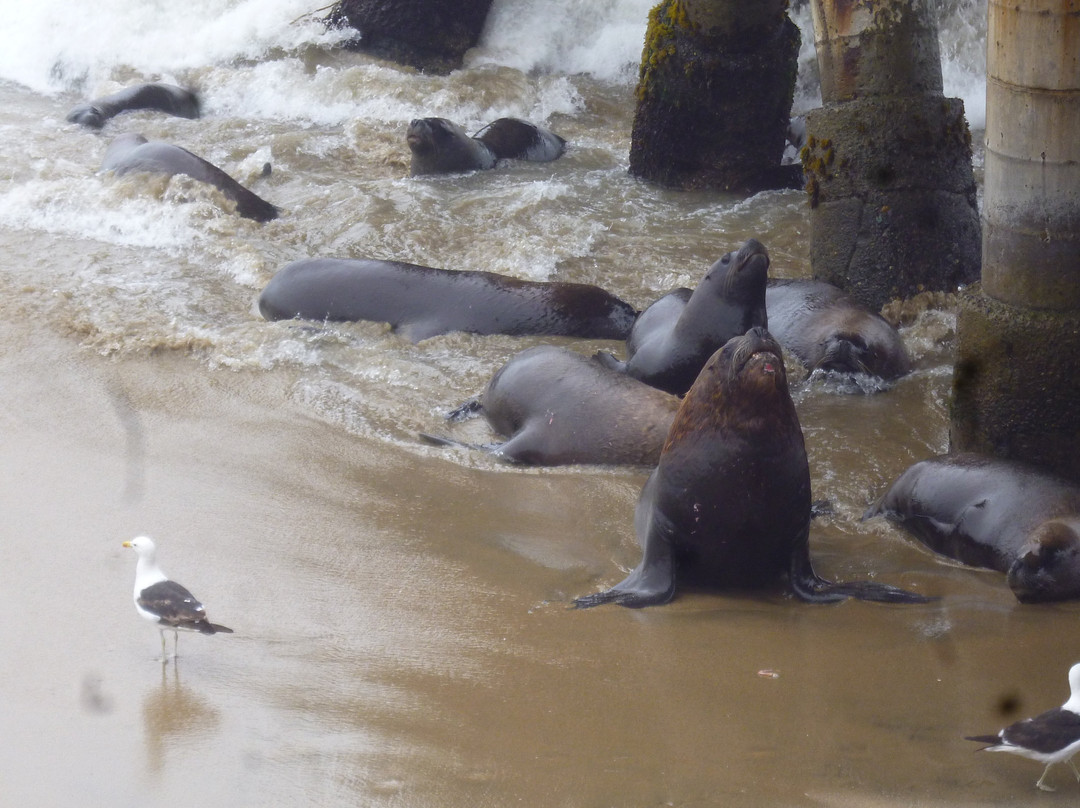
(126, 544)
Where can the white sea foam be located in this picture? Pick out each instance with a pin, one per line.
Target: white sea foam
(602, 38)
(51, 46)
(245, 55)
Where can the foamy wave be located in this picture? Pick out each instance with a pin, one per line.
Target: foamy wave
(51, 45)
(602, 39)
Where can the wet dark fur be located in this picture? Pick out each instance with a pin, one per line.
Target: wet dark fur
(161, 97)
(675, 336)
(132, 152)
(729, 504)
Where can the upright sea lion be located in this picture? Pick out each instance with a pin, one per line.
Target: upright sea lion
(559, 407)
(162, 97)
(132, 152)
(440, 146)
(992, 513)
(826, 328)
(728, 505)
(675, 336)
(421, 302)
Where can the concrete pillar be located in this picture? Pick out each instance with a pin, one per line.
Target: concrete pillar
(1016, 387)
(887, 157)
(714, 95)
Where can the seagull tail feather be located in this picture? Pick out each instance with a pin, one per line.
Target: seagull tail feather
(206, 627)
(989, 740)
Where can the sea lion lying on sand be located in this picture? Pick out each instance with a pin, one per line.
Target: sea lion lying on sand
(993, 513)
(558, 407)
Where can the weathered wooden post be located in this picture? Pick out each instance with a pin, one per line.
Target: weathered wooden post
(714, 95)
(887, 157)
(1016, 386)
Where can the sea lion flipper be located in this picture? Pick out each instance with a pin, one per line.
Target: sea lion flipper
(609, 361)
(810, 587)
(466, 410)
(653, 580)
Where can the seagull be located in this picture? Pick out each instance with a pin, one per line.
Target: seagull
(1050, 737)
(165, 603)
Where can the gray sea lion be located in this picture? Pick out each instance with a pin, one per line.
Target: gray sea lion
(161, 97)
(421, 302)
(440, 146)
(728, 506)
(132, 152)
(675, 336)
(996, 514)
(826, 328)
(515, 139)
(558, 407)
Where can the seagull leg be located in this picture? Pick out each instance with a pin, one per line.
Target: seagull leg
(175, 644)
(1073, 767)
(162, 633)
(1040, 783)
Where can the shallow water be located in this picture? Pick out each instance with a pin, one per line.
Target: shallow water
(403, 636)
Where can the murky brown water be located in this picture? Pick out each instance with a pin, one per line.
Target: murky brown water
(402, 630)
(403, 636)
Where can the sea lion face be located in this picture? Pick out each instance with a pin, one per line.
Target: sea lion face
(1047, 568)
(742, 388)
(871, 347)
(422, 134)
(741, 274)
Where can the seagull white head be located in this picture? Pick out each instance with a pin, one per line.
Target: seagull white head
(143, 545)
(1073, 703)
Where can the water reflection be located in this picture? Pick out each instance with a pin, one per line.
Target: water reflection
(174, 716)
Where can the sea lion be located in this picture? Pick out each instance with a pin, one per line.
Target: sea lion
(421, 302)
(440, 146)
(993, 513)
(728, 505)
(132, 152)
(558, 407)
(515, 139)
(162, 97)
(676, 335)
(826, 328)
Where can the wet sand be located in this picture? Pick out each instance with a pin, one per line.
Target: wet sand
(402, 630)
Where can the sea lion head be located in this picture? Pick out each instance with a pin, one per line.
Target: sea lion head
(440, 146)
(1047, 567)
(423, 134)
(870, 346)
(743, 387)
(740, 275)
(845, 353)
(87, 115)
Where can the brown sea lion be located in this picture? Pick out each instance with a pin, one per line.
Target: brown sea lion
(161, 97)
(440, 146)
(992, 513)
(728, 506)
(421, 302)
(132, 152)
(558, 407)
(675, 336)
(827, 329)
